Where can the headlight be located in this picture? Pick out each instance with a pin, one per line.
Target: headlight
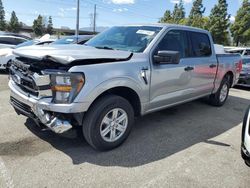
(65, 87)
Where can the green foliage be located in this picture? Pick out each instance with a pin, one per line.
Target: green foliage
(167, 18)
(241, 28)
(183, 21)
(2, 17)
(59, 34)
(179, 12)
(195, 18)
(177, 16)
(50, 26)
(219, 23)
(38, 26)
(14, 25)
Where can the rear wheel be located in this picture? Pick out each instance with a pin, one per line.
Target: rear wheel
(108, 122)
(220, 97)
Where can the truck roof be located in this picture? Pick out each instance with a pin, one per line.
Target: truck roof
(167, 25)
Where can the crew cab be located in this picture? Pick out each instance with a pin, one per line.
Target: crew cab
(122, 73)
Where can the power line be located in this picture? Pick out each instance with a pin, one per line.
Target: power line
(54, 16)
(131, 12)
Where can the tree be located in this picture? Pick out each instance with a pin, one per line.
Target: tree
(38, 26)
(14, 25)
(2, 17)
(195, 18)
(219, 23)
(240, 29)
(50, 26)
(167, 18)
(179, 12)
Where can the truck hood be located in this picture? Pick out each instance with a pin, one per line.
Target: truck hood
(66, 54)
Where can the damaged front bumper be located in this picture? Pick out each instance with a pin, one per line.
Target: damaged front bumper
(43, 110)
(245, 137)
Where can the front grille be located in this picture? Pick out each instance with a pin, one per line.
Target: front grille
(24, 81)
(30, 82)
(21, 108)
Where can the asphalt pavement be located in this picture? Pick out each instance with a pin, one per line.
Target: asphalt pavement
(191, 145)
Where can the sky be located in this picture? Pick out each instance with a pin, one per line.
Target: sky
(109, 12)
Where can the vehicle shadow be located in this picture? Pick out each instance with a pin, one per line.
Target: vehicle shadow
(242, 88)
(155, 136)
(4, 72)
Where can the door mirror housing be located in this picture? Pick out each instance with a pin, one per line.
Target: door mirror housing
(167, 57)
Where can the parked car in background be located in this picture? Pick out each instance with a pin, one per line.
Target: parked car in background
(80, 39)
(239, 50)
(245, 138)
(6, 54)
(244, 79)
(123, 72)
(9, 41)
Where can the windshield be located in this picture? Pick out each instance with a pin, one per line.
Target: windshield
(28, 43)
(66, 40)
(127, 38)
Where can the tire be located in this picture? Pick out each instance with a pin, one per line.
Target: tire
(247, 162)
(100, 128)
(220, 97)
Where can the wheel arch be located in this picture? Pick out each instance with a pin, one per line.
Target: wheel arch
(127, 93)
(230, 75)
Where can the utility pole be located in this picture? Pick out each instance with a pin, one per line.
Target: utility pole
(77, 19)
(94, 22)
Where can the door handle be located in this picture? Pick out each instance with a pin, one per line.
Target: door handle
(144, 74)
(212, 66)
(189, 68)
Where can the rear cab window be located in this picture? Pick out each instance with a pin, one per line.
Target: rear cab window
(247, 52)
(201, 46)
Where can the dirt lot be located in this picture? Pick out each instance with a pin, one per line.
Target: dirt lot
(192, 145)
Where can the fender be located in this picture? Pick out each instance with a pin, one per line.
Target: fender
(88, 96)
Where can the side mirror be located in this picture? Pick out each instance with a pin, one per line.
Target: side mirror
(167, 57)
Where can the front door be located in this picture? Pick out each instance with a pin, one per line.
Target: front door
(170, 83)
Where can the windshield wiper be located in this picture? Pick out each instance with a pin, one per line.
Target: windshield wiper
(104, 47)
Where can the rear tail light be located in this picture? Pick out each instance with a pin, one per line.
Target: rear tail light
(239, 66)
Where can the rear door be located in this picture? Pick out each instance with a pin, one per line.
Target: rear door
(203, 61)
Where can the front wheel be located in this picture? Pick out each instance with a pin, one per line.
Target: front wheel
(220, 97)
(108, 122)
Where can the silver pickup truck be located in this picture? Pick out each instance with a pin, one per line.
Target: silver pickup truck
(124, 72)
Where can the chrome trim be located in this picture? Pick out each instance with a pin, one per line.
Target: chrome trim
(41, 80)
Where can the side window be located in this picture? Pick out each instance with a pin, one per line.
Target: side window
(18, 41)
(44, 43)
(247, 52)
(175, 40)
(82, 42)
(200, 44)
(6, 40)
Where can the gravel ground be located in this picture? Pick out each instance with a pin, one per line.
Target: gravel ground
(191, 145)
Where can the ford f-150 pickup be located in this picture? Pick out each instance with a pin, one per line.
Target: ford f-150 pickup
(122, 73)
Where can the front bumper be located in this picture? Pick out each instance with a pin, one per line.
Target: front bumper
(245, 137)
(41, 109)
